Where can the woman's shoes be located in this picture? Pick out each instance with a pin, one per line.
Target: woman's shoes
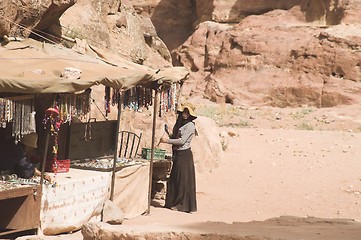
(174, 208)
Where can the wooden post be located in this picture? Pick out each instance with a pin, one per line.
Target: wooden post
(45, 155)
(115, 151)
(152, 150)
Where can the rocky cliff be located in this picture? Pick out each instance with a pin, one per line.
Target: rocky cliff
(276, 53)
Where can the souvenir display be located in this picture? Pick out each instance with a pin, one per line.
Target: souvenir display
(21, 112)
(72, 106)
(103, 164)
(107, 101)
(23, 119)
(6, 111)
(168, 99)
(136, 98)
(12, 181)
(22, 115)
(65, 108)
(142, 97)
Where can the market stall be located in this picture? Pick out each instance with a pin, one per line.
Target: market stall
(38, 69)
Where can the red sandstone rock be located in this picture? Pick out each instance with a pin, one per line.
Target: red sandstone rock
(276, 59)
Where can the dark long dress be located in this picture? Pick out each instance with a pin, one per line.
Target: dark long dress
(181, 187)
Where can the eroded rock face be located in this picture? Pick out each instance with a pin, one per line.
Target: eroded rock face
(278, 58)
(278, 53)
(19, 17)
(176, 20)
(329, 12)
(233, 11)
(114, 24)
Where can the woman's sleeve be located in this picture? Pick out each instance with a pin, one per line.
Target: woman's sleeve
(186, 133)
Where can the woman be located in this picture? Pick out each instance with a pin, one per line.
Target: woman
(181, 187)
(16, 157)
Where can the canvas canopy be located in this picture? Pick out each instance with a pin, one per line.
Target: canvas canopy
(35, 67)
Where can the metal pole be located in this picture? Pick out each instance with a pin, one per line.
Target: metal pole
(116, 150)
(178, 97)
(152, 150)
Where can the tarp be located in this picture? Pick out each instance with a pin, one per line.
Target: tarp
(35, 67)
(131, 190)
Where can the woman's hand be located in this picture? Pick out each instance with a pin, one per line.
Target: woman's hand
(163, 139)
(37, 172)
(48, 178)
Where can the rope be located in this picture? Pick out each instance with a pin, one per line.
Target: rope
(24, 28)
(57, 37)
(93, 100)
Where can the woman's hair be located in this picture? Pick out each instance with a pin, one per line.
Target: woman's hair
(177, 124)
(180, 122)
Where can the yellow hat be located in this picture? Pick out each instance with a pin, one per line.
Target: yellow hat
(190, 108)
(30, 140)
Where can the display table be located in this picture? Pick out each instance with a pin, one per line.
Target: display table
(79, 197)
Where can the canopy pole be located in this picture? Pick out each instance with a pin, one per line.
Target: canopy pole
(178, 97)
(152, 150)
(45, 156)
(115, 151)
(47, 129)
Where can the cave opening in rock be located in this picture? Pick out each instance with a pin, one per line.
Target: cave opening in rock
(327, 12)
(175, 21)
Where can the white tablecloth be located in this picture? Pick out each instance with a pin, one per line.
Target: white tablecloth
(80, 195)
(77, 198)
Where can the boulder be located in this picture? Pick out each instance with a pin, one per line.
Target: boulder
(207, 146)
(112, 214)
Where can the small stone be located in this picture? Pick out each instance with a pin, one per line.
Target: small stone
(71, 73)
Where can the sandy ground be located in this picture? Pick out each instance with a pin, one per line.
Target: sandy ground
(268, 173)
(307, 183)
(289, 168)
